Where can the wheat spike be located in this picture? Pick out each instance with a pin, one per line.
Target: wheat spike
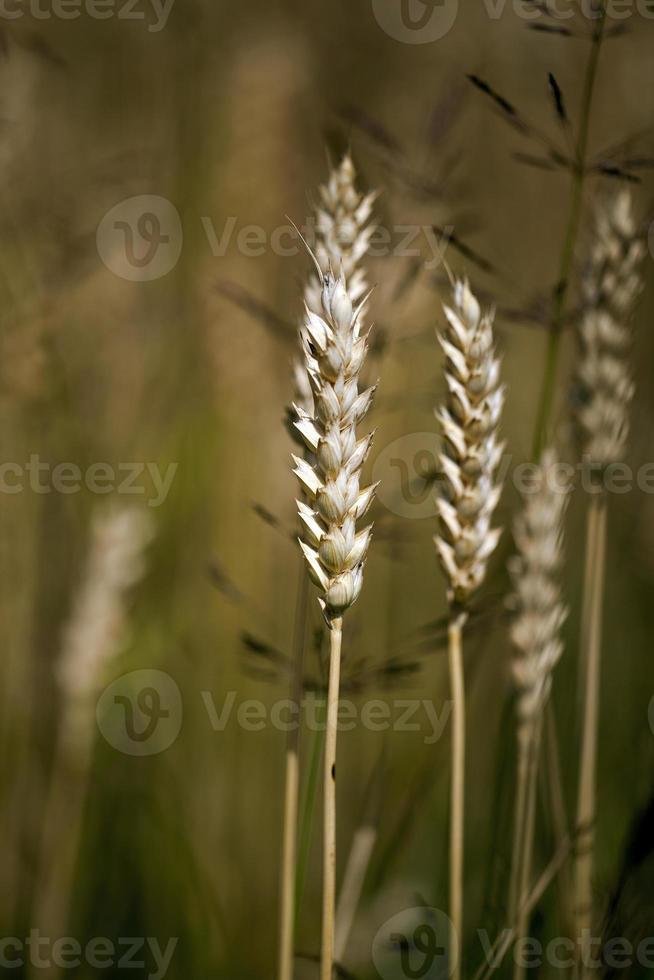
(96, 630)
(610, 288)
(472, 452)
(335, 348)
(539, 611)
(343, 233)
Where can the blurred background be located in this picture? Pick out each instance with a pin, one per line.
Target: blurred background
(150, 290)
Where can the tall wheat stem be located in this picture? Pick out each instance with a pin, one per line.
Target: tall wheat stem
(591, 644)
(518, 825)
(292, 791)
(526, 859)
(457, 796)
(329, 783)
(570, 239)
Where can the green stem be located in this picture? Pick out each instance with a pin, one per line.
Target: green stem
(570, 240)
(308, 809)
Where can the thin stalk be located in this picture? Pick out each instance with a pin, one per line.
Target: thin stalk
(457, 796)
(519, 822)
(591, 637)
(292, 791)
(60, 843)
(526, 860)
(504, 941)
(570, 238)
(560, 820)
(360, 853)
(308, 809)
(329, 787)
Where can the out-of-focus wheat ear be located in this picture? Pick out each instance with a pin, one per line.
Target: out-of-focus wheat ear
(466, 502)
(611, 286)
(538, 615)
(94, 637)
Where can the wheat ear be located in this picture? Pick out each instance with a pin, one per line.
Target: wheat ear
(342, 239)
(93, 638)
(334, 349)
(611, 286)
(469, 495)
(535, 632)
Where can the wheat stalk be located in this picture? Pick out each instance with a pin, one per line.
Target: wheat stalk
(334, 348)
(611, 286)
(94, 636)
(466, 540)
(535, 632)
(342, 238)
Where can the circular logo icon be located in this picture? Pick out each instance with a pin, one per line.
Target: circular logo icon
(416, 21)
(141, 712)
(140, 239)
(417, 944)
(408, 471)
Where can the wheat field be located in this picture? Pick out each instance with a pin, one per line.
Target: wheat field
(403, 251)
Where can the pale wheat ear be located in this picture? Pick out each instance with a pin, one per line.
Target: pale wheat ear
(466, 503)
(611, 286)
(539, 614)
(330, 408)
